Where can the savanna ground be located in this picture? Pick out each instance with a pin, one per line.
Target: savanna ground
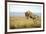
(17, 22)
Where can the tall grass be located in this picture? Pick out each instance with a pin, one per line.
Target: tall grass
(21, 22)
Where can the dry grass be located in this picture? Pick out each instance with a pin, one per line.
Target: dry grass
(21, 22)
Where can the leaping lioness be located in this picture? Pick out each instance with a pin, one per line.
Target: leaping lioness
(29, 14)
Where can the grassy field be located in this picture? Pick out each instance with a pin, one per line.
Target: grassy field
(21, 22)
